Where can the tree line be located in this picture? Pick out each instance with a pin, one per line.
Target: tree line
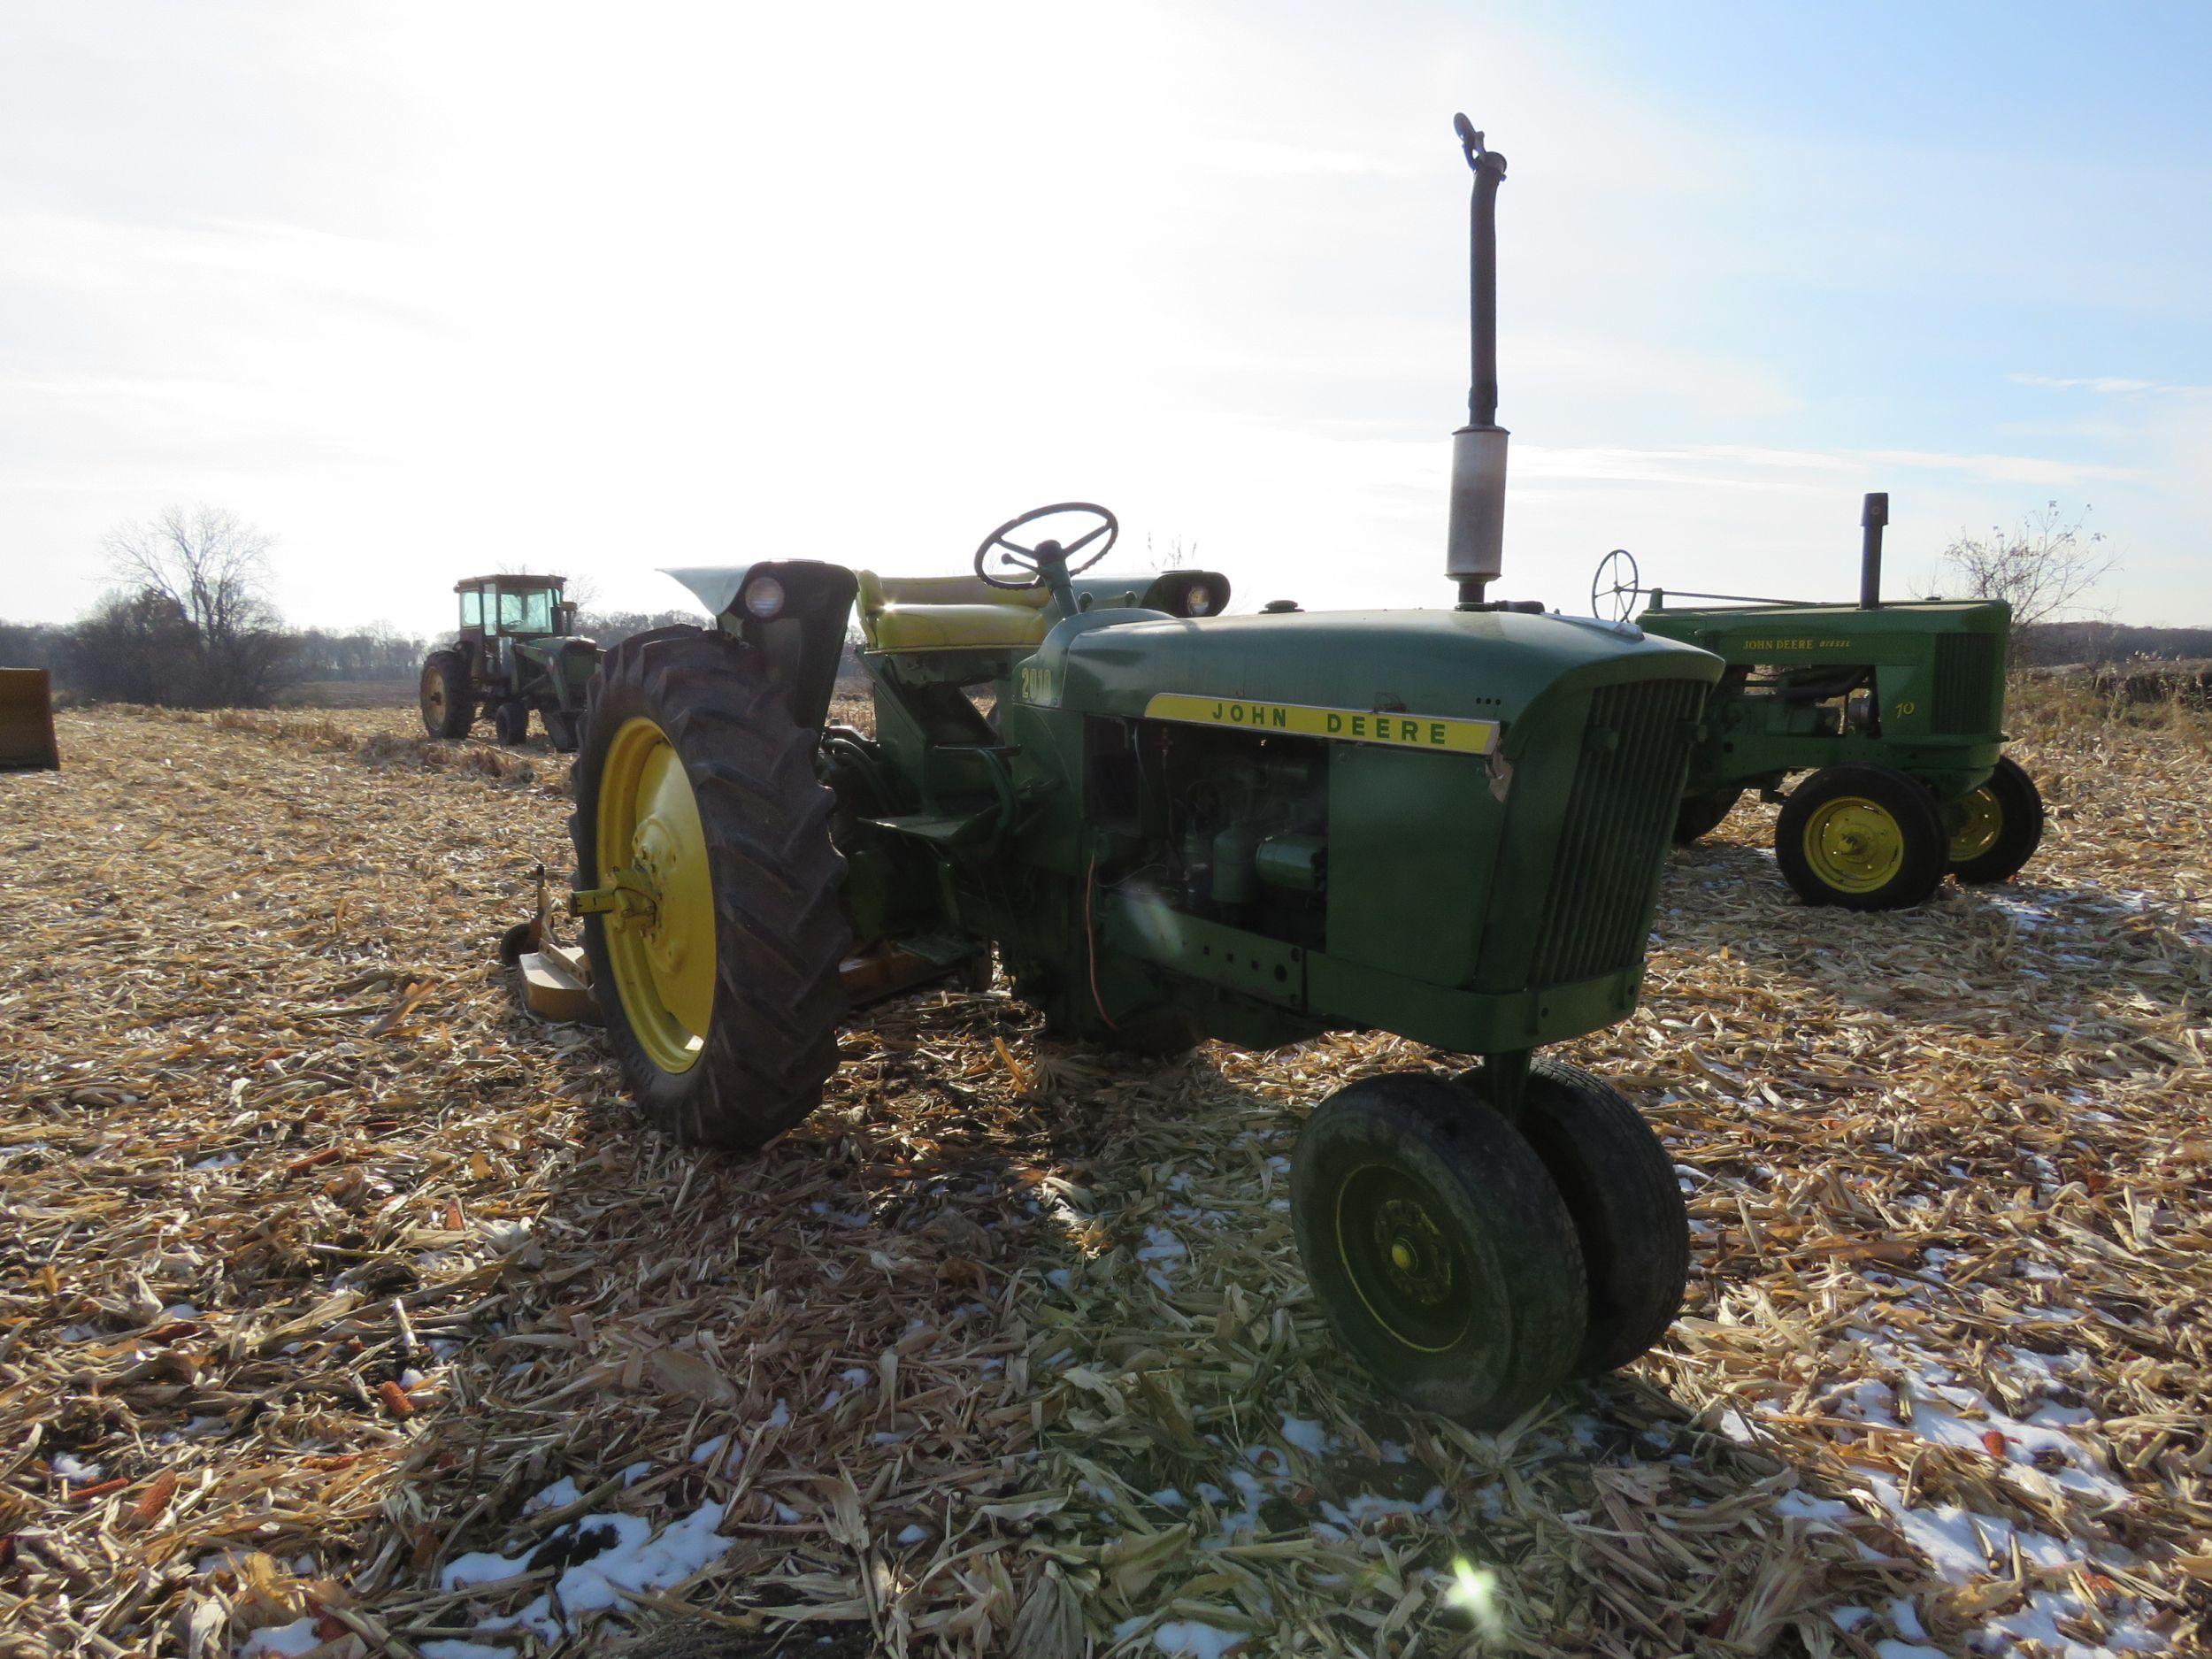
(189, 624)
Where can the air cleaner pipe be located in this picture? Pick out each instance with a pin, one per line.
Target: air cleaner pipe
(1872, 516)
(1474, 542)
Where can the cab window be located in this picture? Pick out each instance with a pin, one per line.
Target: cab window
(526, 612)
(471, 610)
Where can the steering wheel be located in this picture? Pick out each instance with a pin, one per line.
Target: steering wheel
(1047, 557)
(1614, 590)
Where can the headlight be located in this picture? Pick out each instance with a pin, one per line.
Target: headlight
(763, 597)
(1198, 600)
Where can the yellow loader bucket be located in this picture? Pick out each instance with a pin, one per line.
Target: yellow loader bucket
(27, 721)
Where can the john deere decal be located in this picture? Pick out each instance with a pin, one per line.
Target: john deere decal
(1349, 726)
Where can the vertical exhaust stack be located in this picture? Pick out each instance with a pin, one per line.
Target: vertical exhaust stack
(1873, 514)
(1475, 544)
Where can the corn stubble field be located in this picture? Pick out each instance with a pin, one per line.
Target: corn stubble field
(345, 1309)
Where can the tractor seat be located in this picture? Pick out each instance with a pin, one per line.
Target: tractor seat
(949, 613)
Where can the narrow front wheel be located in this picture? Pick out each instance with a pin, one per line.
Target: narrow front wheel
(1438, 1247)
(2002, 828)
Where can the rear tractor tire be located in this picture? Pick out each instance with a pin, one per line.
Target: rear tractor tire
(1699, 815)
(448, 699)
(721, 991)
(2003, 827)
(1438, 1247)
(1866, 837)
(510, 721)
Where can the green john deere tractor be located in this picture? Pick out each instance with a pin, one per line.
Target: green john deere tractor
(1896, 709)
(1172, 824)
(517, 650)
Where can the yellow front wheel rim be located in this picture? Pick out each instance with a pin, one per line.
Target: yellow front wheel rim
(661, 941)
(1854, 845)
(1985, 822)
(1393, 1241)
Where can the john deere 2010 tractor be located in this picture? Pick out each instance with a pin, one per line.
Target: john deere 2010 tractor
(1175, 823)
(1896, 709)
(518, 650)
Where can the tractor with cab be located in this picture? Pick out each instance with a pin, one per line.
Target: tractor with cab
(516, 650)
(1896, 711)
(1171, 823)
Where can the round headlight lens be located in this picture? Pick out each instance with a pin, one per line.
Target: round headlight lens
(763, 597)
(1198, 600)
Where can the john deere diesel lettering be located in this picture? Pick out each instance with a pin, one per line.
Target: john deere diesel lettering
(1178, 824)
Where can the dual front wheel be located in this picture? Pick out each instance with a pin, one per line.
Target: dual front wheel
(1474, 1264)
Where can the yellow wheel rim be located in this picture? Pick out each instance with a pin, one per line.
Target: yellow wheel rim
(661, 941)
(1985, 822)
(1854, 845)
(1402, 1260)
(433, 697)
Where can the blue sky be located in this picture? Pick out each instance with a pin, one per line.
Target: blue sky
(424, 288)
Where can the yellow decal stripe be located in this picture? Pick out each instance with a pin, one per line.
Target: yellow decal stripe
(1348, 725)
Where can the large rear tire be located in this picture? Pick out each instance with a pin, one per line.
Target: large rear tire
(2003, 827)
(722, 998)
(1438, 1246)
(448, 699)
(1866, 837)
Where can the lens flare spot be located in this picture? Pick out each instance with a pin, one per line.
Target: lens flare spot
(1475, 1593)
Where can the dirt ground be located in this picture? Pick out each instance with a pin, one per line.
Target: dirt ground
(345, 1309)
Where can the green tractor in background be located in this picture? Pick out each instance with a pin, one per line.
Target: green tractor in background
(1174, 825)
(517, 650)
(1896, 709)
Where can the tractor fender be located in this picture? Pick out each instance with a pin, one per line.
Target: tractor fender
(801, 639)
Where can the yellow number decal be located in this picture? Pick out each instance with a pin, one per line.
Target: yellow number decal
(1905, 709)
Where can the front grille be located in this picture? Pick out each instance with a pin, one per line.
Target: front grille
(1965, 682)
(1620, 812)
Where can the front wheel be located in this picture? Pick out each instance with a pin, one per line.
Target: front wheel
(1699, 815)
(1865, 837)
(2003, 826)
(718, 971)
(1438, 1247)
(1620, 1187)
(560, 729)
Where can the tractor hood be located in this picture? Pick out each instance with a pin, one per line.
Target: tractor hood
(1455, 679)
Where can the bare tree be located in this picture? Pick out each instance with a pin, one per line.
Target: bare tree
(213, 567)
(2042, 567)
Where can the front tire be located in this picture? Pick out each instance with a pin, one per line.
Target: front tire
(723, 998)
(2003, 827)
(447, 700)
(511, 722)
(1865, 837)
(560, 729)
(1438, 1246)
(1699, 815)
(1619, 1185)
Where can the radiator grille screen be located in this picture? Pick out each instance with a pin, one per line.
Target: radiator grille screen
(1965, 679)
(1619, 822)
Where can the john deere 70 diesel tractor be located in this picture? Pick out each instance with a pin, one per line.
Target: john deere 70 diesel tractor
(518, 650)
(1897, 711)
(1175, 824)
